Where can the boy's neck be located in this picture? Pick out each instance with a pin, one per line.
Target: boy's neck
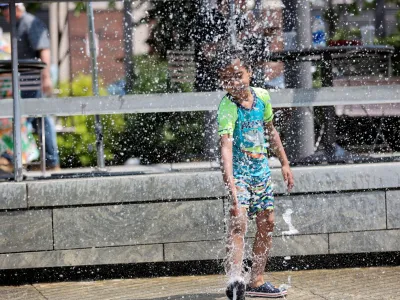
(246, 100)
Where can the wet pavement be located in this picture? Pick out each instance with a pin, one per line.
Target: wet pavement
(355, 283)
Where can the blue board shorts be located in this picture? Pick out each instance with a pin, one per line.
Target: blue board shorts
(255, 194)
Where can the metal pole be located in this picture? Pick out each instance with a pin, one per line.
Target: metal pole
(305, 115)
(211, 139)
(15, 90)
(329, 114)
(304, 40)
(289, 15)
(95, 86)
(232, 23)
(257, 10)
(299, 133)
(380, 22)
(128, 47)
(42, 144)
(331, 19)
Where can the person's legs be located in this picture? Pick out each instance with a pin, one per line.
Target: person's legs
(51, 149)
(235, 244)
(262, 244)
(31, 94)
(235, 251)
(262, 205)
(52, 157)
(237, 227)
(6, 163)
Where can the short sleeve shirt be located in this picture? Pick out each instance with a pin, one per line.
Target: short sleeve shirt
(246, 126)
(32, 37)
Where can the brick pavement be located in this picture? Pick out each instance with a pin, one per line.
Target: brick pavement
(341, 284)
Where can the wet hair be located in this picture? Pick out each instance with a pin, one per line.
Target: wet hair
(226, 57)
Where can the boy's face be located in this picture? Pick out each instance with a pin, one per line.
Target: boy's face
(235, 78)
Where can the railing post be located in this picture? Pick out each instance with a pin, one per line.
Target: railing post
(16, 102)
(42, 139)
(128, 47)
(299, 127)
(95, 86)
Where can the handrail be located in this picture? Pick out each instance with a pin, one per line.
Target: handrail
(206, 101)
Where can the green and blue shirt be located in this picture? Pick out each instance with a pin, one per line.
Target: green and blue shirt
(246, 126)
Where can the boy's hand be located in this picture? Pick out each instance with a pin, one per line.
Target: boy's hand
(288, 177)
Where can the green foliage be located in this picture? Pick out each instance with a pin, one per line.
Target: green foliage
(369, 4)
(153, 137)
(81, 86)
(151, 75)
(33, 7)
(332, 19)
(352, 8)
(347, 34)
(393, 40)
(81, 6)
(160, 137)
(78, 148)
(398, 21)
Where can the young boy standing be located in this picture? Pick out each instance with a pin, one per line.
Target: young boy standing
(246, 133)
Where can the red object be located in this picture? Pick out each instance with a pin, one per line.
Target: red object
(344, 43)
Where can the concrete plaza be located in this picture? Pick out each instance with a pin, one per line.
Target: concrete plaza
(353, 283)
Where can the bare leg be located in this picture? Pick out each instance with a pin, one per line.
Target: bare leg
(235, 244)
(261, 247)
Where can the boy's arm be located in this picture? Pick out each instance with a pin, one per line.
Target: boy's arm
(279, 151)
(227, 167)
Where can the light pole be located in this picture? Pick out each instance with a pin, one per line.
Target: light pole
(16, 99)
(95, 85)
(299, 131)
(128, 47)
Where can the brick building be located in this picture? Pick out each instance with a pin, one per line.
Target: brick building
(109, 40)
(70, 41)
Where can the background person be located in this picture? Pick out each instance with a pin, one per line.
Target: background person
(34, 43)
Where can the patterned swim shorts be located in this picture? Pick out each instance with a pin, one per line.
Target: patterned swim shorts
(255, 195)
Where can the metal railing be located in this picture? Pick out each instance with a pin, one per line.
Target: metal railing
(205, 101)
(18, 176)
(166, 102)
(375, 101)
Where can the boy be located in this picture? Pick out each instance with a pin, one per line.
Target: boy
(244, 121)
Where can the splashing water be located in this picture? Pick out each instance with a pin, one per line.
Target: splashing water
(287, 217)
(237, 286)
(286, 286)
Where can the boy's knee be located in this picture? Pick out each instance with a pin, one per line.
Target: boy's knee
(270, 226)
(238, 227)
(266, 225)
(237, 231)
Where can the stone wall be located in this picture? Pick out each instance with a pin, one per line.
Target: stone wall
(180, 216)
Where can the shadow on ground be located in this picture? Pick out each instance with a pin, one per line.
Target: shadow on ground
(191, 296)
(152, 270)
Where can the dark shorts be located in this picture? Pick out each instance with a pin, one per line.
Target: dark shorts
(255, 195)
